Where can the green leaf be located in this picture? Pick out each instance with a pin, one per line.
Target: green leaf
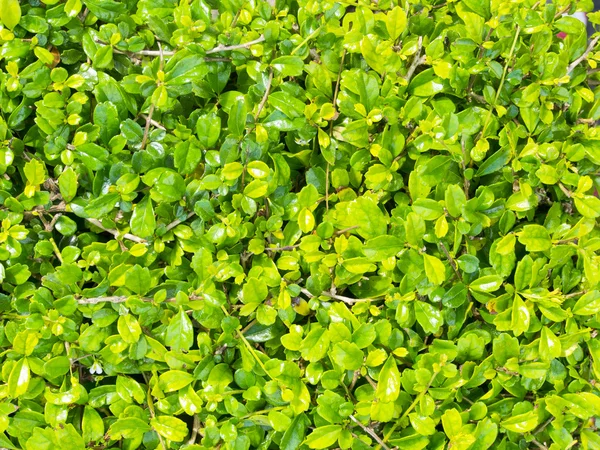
(174, 380)
(92, 155)
(170, 427)
(10, 13)
(92, 426)
(143, 222)
(294, 435)
(287, 104)
(106, 116)
(237, 117)
(180, 332)
(521, 423)
(428, 209)
(19, 378)
(428, 317)
(488, 283)
(347, 355)
(364, 215)
(67, 183)
(129, 328)
(208, 128)
(324, 436)
(588, 304)
(396, 22)
(288, 66)
(588, 206)
(137, 279)
(434, 269)
(535, 238)
(388, 383)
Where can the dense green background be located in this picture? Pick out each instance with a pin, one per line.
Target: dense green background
(298, 224)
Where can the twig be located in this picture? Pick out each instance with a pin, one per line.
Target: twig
(409, 409)
(195, 429)
(539, 444)
(226, 48)
(153, 122)
(370, 432)
(347, 300)
(147, 127)
(178, 221)
(345, 230)
(53, 221)
(574, 294)
(56, 249)
(417, 60)
(451, 260)
(115, 233)
(567, 192)
(286, 248)
(335, 95)
(151, 110)
(262, 103)
(589, 48)
(543, 426)
(304, 41)
(504, 72)
(123, 299)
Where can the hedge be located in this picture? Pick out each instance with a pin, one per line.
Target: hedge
(299, 224)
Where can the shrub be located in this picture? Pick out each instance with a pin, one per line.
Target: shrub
(311, 224)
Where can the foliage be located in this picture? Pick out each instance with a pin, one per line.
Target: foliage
(298, 224)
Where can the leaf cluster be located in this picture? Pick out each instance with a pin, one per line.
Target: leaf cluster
(298, 224)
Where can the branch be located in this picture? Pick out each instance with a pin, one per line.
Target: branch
(226, 48)
(153, 122)
(147, 127)
(347, 300)
(151, 110)
(451, 260)
(115, 233)
(286, 248)
(589, 48)
(262, 103)
(417, 60)
(345, 230)
(370, 432)
(179, 221)
(123, 299)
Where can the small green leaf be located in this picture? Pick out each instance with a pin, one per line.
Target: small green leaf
(170, 427)
(388, 384)
(10, 13)
(535, 238)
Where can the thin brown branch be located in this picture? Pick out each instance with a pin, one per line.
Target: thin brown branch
(589, 48)
(539, 444)
(567, 192)
(115, 233)
(451, 260)
(263, 102)
(195, 430)
(370, 432)
(147, 127)
(226, 48)
(417, 61)
(123, 299)
(179, 221)
(347, 300)
(335, 94)
(345, 230)
(543, 426)
(153, 122)
(286, 248)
